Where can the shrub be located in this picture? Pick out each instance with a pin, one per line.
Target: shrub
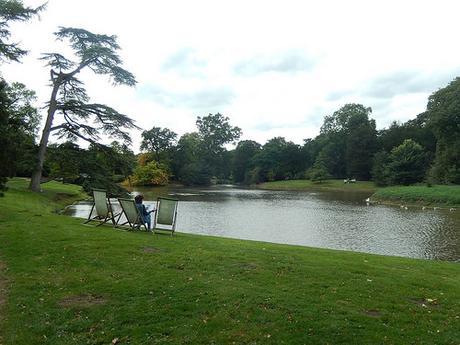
(407, 163)
(151, 174)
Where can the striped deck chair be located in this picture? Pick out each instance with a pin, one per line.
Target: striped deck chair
(166, 215)
(132, 215)
(103, 208)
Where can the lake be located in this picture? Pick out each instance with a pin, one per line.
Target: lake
(335, 220)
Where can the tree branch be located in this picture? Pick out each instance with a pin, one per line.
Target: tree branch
(57, 127)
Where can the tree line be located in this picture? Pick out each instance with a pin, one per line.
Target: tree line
(425, 149)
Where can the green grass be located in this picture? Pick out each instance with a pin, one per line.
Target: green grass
(435, 195)
(73, 284)
(440, 195)
(333, 185)
(54, 197)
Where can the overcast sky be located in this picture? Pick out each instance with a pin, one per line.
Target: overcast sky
(275, 68)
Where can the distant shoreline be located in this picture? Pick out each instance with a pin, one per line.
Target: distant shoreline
(440, 196)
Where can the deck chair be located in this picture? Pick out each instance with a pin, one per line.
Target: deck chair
(103, 208)
(132, 215)
(166, 214)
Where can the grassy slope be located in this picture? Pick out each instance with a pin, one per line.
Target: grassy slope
(440, 195)
(75, 284)
(436, 195)
(335, 185)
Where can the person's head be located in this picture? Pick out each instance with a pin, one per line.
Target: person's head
(138, 199)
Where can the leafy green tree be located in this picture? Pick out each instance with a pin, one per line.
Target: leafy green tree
(332, 156)
(95, 167)
(293, 161)
(4, 142)
(69, 100)
(189, 165)
(268, 160)
(19, 119)
(151, 174)
(318, 173)
(350, 138)
(444, 119)
(10, 11)
(407, 163)
(254, 176)
(13, 11)
(188, 148)
(416, 129)
(64, 161)
(243, 159)
(380, 169)
(215, 131)
(196, 173)
(158, 140)
(123, 161)
(23, 121)
(23, 113)
(279, 159)
(308, 153)
(225, 167)
(360, 145)
(339, 121)
(391, 137)
(98, 168)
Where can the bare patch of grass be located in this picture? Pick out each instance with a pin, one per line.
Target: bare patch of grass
(248, 266)
(373, 313)
(82, 301)
(150, 250)
(425, 302)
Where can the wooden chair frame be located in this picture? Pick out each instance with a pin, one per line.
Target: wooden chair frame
(104, 210)
(135, 222)
(158, 215)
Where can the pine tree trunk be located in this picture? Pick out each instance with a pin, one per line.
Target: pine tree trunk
(37, 173)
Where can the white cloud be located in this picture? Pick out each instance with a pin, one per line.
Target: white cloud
(275, 68)
(282, 62)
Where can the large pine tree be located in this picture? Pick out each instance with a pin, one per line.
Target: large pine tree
(70, 115)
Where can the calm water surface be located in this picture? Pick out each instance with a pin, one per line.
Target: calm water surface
(336, 220)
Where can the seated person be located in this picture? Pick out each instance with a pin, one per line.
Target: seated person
(145, 215)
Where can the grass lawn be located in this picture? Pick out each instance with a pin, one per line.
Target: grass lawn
(333, 185)
(435, 195)
(66, 283)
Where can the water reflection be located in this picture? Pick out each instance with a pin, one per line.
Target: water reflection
(319, 219)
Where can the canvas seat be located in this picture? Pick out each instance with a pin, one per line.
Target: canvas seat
(132, 215)
(102, 207)
(166, 215)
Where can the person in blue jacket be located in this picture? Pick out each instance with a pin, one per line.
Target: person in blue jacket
(145, 215)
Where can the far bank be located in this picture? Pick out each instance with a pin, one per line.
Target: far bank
(445, 196)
